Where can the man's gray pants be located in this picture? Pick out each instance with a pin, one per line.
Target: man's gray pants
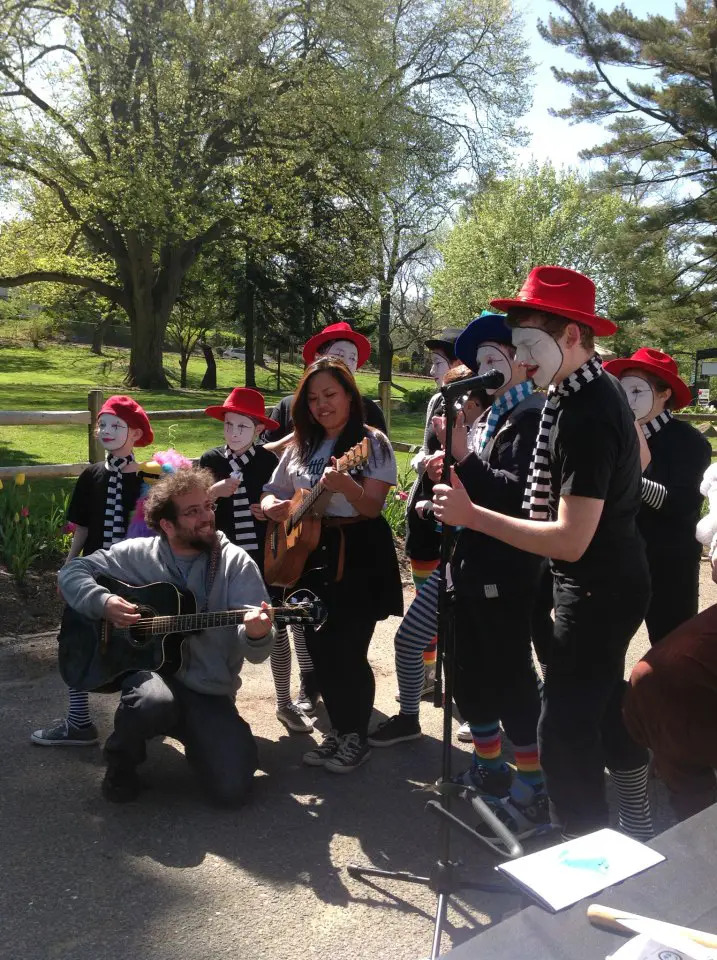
(218, 743)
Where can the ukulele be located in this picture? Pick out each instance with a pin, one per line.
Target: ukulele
(289, 542)
(95, 655)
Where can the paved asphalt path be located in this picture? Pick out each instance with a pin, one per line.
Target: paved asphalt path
(170, 878)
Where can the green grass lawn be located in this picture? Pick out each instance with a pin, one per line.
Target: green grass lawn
(59, 376)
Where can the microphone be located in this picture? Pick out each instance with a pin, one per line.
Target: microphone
(485, 381)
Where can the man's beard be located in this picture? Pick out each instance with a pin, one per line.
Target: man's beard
(194, 541)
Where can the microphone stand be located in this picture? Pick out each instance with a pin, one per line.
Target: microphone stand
(445, 878)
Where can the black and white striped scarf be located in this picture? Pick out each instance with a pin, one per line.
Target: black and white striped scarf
(654, 493)
(656, 424)
(114, 528)
(244, 530)
(536, 500)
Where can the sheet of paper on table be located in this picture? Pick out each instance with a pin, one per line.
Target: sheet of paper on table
(643, 947)
(567, 872)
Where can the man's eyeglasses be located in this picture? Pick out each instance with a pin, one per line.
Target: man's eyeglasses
(196, 511)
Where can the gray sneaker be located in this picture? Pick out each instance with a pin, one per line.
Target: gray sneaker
(66, 734)
(294, 719)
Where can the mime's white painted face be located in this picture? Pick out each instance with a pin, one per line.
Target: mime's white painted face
(343, 350)
(239, 432)
(112, 431)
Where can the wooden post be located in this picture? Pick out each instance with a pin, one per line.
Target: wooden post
(96, 453)
(384, 396)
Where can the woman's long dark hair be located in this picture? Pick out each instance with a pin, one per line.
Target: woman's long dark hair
(308, 434)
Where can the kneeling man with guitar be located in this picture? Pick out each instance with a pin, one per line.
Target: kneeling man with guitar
(187, 689)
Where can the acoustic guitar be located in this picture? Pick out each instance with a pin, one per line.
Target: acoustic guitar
(289, 542)
(95, 655)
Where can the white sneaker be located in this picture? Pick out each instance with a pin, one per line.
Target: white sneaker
(464, 733)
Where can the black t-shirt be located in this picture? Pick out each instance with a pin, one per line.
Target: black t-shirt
(680, 456)
(256, 473)
(282, 414)
(594, 452)
(89, 500)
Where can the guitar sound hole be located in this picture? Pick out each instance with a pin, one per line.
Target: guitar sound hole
(141, 636)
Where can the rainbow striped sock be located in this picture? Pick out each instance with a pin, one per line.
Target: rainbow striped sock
(421, 571)
(487, 745)
(528, 765)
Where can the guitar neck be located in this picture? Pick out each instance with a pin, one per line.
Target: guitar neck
(192, 622)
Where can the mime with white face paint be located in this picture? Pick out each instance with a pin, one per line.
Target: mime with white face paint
(671, 498)
(581, 505)
(101, 507)
(338, 340)
(242, 467)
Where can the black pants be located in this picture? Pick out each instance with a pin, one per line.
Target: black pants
(218, 743)
(339, 652)
(581, 727)
(541, 620)
(494, 674)
(675, 581)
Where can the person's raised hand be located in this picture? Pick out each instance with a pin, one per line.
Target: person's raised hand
(225, 488)
(278, 510)
(434, 467)
(451, 504)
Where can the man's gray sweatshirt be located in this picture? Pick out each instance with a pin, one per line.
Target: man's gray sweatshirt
(212, 659)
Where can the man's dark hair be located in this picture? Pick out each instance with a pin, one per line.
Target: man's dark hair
(160, 504)
(552, 323)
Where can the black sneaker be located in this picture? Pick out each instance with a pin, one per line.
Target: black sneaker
(324, 751)
(403, 726)
(486, 780)
(525, 812)
(121, 784)
(352, 752)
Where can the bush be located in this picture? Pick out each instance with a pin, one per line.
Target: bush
(418, 399)
(395, 507)
(29, 536)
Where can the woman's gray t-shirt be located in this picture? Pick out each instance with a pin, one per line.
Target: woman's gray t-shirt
(292, 475)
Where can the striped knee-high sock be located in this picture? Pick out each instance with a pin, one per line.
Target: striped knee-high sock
(527, 765)
(302, 653)
(421, 571)
(632, 802)
(78, 713)
(417, 628)
(487, 745)
(281, 667)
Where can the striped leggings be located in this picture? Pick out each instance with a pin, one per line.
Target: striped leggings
(281, 661)
(416, 633)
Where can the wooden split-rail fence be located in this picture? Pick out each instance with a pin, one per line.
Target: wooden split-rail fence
(87, 418)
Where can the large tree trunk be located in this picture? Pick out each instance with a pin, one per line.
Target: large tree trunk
(258, 341)
(148, 315)
(98, 334)
(307, 301)
(209, 380)
(146, 366)
(385, 347)
(248, 309)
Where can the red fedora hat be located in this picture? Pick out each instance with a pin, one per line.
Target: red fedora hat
(564, 292)
(246, 401)
(337, 331)
(133, 415)
(658, 363)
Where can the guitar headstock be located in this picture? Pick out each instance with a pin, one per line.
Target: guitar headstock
(305, 607)
(354, 458)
